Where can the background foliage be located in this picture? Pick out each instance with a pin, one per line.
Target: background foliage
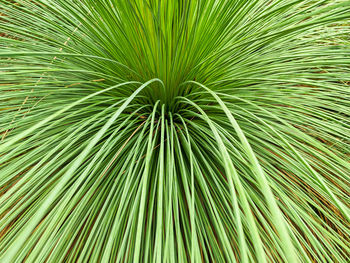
(174, 131)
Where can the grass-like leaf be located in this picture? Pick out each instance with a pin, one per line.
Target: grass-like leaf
(174, 131)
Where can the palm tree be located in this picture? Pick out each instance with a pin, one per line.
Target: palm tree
(174, 131)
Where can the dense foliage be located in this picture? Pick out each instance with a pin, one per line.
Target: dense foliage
(174, 131)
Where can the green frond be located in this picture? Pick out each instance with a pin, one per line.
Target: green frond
(175, 131)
